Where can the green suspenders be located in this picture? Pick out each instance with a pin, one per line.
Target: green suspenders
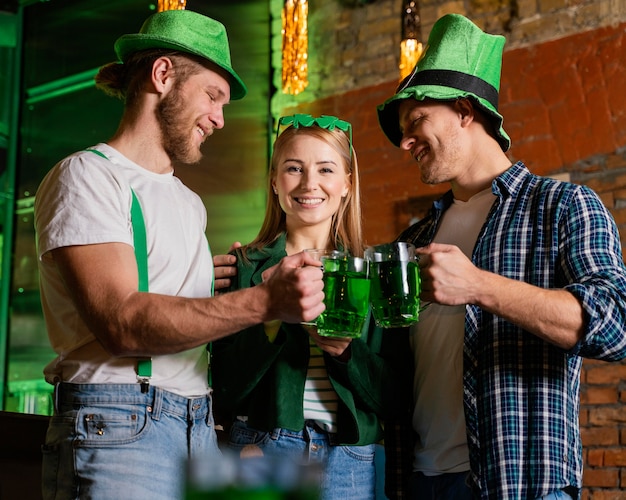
(144, 365)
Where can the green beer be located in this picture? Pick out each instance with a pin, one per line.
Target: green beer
(395, 284)
(346, 297)
(259, 477)
(395, 293)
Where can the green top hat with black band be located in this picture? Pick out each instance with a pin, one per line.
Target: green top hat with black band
(185, 31)
(460, 60)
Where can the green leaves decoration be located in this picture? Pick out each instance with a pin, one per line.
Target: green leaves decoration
(325, 121)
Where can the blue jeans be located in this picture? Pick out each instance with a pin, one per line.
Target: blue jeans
(454, 486)
(348, 471)
(451, 486)
(112, 441)
(558, 495)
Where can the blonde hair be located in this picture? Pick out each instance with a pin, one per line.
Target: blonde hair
(346, 230)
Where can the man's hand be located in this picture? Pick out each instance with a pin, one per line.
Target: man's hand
(295, 289)
(448, 277)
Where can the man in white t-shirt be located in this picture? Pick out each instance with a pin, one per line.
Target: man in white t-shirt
(127, 275)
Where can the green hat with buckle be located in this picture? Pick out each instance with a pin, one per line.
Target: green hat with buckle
(185, 31)
(460, 60)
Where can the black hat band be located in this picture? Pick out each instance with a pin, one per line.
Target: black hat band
(454, 79)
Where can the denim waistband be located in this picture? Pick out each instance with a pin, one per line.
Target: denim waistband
(69, 395)
(311, 431)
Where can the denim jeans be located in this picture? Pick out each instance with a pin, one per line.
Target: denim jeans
(348, 471)
(451, 486)
(559, 495)
(113, 441)
(454, 486)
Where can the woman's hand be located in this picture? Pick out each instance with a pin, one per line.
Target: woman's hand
(225, 267)
(337, 347)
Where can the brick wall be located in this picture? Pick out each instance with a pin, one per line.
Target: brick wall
(602, 420)
(564, 106)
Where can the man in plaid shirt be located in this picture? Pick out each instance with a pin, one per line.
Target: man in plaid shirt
(525, 277)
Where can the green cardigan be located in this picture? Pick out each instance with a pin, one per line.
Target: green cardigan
(265, 380)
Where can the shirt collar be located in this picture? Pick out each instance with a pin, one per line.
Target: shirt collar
(511, 180)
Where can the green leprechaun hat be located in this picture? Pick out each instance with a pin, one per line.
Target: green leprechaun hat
(460, 60)
(185, 31)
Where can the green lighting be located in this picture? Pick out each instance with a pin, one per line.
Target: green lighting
(62, 86)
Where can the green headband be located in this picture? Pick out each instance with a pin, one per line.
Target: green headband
(325, 121)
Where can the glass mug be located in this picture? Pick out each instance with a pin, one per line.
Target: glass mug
(250, 476)
(395, 288)
(346, 296)
(317, 254)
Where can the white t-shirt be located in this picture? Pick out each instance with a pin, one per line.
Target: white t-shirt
(437, 343)
(85, 199)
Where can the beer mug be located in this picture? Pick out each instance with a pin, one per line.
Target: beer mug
(395, 284)
(346, 296)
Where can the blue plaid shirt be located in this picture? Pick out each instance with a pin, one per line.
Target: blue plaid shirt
(521, 394)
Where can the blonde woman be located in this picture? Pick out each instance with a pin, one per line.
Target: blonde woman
(290, 391)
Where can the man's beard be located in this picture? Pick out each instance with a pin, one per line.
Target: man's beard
(175, 131)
